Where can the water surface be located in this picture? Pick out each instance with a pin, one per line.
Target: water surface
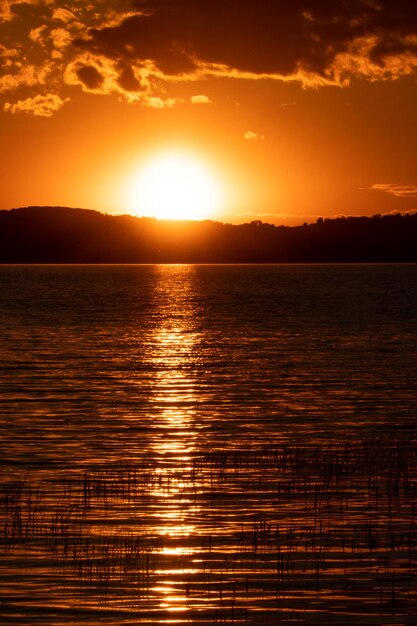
(161, 435)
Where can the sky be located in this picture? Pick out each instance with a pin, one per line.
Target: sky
(278, 110)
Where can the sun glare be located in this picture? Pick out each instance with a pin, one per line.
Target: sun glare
(174, 186)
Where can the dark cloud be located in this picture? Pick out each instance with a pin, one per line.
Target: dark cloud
(90, 76)
(127, 79)
(325, 39)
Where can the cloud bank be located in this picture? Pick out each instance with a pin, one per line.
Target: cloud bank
(141, 49)
(312, 41)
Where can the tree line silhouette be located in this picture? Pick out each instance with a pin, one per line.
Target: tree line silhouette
(65, 235)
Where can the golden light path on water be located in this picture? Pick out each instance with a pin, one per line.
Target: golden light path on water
(174, 393)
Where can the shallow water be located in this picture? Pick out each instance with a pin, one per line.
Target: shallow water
(161, 428)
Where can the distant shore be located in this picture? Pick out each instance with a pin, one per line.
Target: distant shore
(66, 235)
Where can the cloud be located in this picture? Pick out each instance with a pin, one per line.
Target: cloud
(92, 73)
(63, 15)
(362, 60)
(55, 61)
(142, 49)
(400, 191)
(112, 18)
(7, 53)
(100, 75)
(26, 76)
(38, 35)
(39, 106)
(159, 103)
(251, 136)
(201, 100)
(60, 38)
(6, 7)
(315, 42)
(6, 13)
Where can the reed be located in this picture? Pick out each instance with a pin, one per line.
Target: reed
(285, 533)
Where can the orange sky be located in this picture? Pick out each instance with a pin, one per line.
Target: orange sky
(298, 109)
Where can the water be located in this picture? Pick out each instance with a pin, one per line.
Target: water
(207, 444)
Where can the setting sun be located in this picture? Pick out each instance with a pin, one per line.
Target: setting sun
(174, 186)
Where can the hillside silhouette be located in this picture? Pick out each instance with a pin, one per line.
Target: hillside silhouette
(65, 235)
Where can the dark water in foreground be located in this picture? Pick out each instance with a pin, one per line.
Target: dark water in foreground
(208, 444)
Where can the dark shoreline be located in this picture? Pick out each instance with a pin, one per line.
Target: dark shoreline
(60, 235)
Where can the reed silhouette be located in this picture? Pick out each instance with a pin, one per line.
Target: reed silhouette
(327, 528)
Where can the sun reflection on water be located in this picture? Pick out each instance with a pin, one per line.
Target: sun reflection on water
(175, 433)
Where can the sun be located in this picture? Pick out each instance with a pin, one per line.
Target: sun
(174, 186)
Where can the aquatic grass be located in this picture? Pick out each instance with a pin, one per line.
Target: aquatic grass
(282, 533)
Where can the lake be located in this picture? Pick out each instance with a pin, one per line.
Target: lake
(202, 444)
